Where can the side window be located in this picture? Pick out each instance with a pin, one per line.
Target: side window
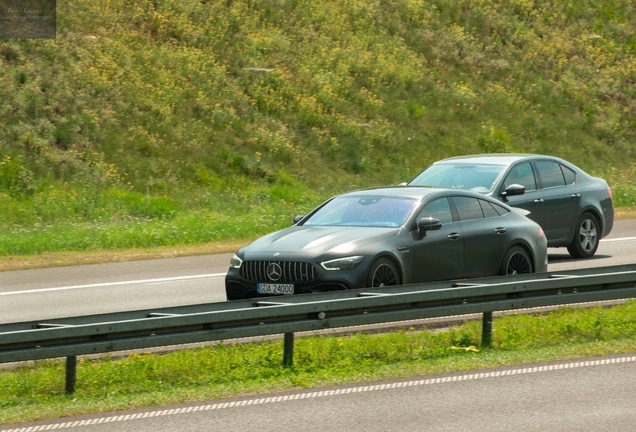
(570, 176)
(488, 209)
(522, 174)
(500, 209)
(438, 209)
(468, 208)
(550, 174)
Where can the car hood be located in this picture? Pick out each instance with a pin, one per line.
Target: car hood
(316, 240)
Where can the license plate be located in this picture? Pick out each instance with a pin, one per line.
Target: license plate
(275, 288)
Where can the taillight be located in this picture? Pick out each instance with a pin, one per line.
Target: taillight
(541, 233)
(609, 191)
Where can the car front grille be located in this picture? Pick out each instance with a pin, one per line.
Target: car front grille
(291, 272)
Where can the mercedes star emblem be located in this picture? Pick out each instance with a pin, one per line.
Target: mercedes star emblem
(274, 272)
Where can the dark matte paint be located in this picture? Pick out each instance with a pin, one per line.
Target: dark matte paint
(475, 250)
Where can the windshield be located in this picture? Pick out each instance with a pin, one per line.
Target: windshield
(364, 210)
(474, 177)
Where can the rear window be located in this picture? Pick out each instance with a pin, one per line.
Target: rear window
(488, 209)
(570, 176)
(500, 209)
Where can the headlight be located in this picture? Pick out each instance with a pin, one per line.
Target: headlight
(236, 262)
(347, 263)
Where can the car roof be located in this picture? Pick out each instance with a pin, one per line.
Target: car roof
(492, 158)
(406, 191)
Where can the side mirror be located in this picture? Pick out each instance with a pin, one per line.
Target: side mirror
(403, 184)
(297, 219)
(514, 189)
(428, 224)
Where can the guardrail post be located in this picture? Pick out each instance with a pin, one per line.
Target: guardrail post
(486, 329)
(71, 374)
(288, 354)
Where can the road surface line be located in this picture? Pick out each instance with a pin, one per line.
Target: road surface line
(618, 239)
(186, 277)
(133, 282)
(337, 392)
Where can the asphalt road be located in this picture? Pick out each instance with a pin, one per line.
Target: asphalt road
(27, 295)
(587, 395)
(584, 395)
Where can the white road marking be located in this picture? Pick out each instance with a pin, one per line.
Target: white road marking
(132, 282)
(619, 239)
(171, 279)
(328, 393)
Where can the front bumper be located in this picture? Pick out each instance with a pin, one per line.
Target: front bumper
(238, 287)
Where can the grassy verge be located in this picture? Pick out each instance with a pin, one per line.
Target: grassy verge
(95, 254)
(146, 379)
(149, 123)
(59, 259)
(128, 223)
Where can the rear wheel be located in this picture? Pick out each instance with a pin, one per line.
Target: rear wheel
(383, 273)
(516, 262)
(585, 241)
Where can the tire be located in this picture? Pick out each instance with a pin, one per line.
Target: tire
(585, 241)
(383, 273)
(516, 261)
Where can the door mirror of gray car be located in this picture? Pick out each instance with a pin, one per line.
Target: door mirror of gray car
(428, 224)
(514, 189)
(298, 219)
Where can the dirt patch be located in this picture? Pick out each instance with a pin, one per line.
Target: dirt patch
(60, 259)
(625, 213)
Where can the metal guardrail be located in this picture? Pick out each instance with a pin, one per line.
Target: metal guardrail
(69, 337)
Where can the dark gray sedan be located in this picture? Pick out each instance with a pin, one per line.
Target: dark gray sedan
(389, 236)
(574, 209)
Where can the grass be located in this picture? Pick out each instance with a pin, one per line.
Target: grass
(223, 370)
(149, 123)
(95, 255)
(191, 229)
(149, 127)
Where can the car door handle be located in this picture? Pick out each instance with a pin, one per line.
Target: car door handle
(538, 201)
(576, 195)
(500, 230)
(453, 236)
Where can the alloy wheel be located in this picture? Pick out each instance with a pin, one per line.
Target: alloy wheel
(518, 263)
(588, 235)
(384, 275)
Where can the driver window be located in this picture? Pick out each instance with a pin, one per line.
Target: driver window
(521, 174)
(438, 209)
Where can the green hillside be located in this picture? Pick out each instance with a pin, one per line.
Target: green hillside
(179, 121)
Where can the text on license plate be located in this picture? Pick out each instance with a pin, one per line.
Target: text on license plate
(275, 288)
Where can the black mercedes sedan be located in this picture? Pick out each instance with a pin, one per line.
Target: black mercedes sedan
(389, 236)
(574, 209)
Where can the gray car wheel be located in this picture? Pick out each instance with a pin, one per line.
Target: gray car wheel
(383, 273)
(586, 237)
(516, 262)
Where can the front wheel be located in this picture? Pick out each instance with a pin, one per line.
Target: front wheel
(516, 262)
(383, 273)
(585, 241)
